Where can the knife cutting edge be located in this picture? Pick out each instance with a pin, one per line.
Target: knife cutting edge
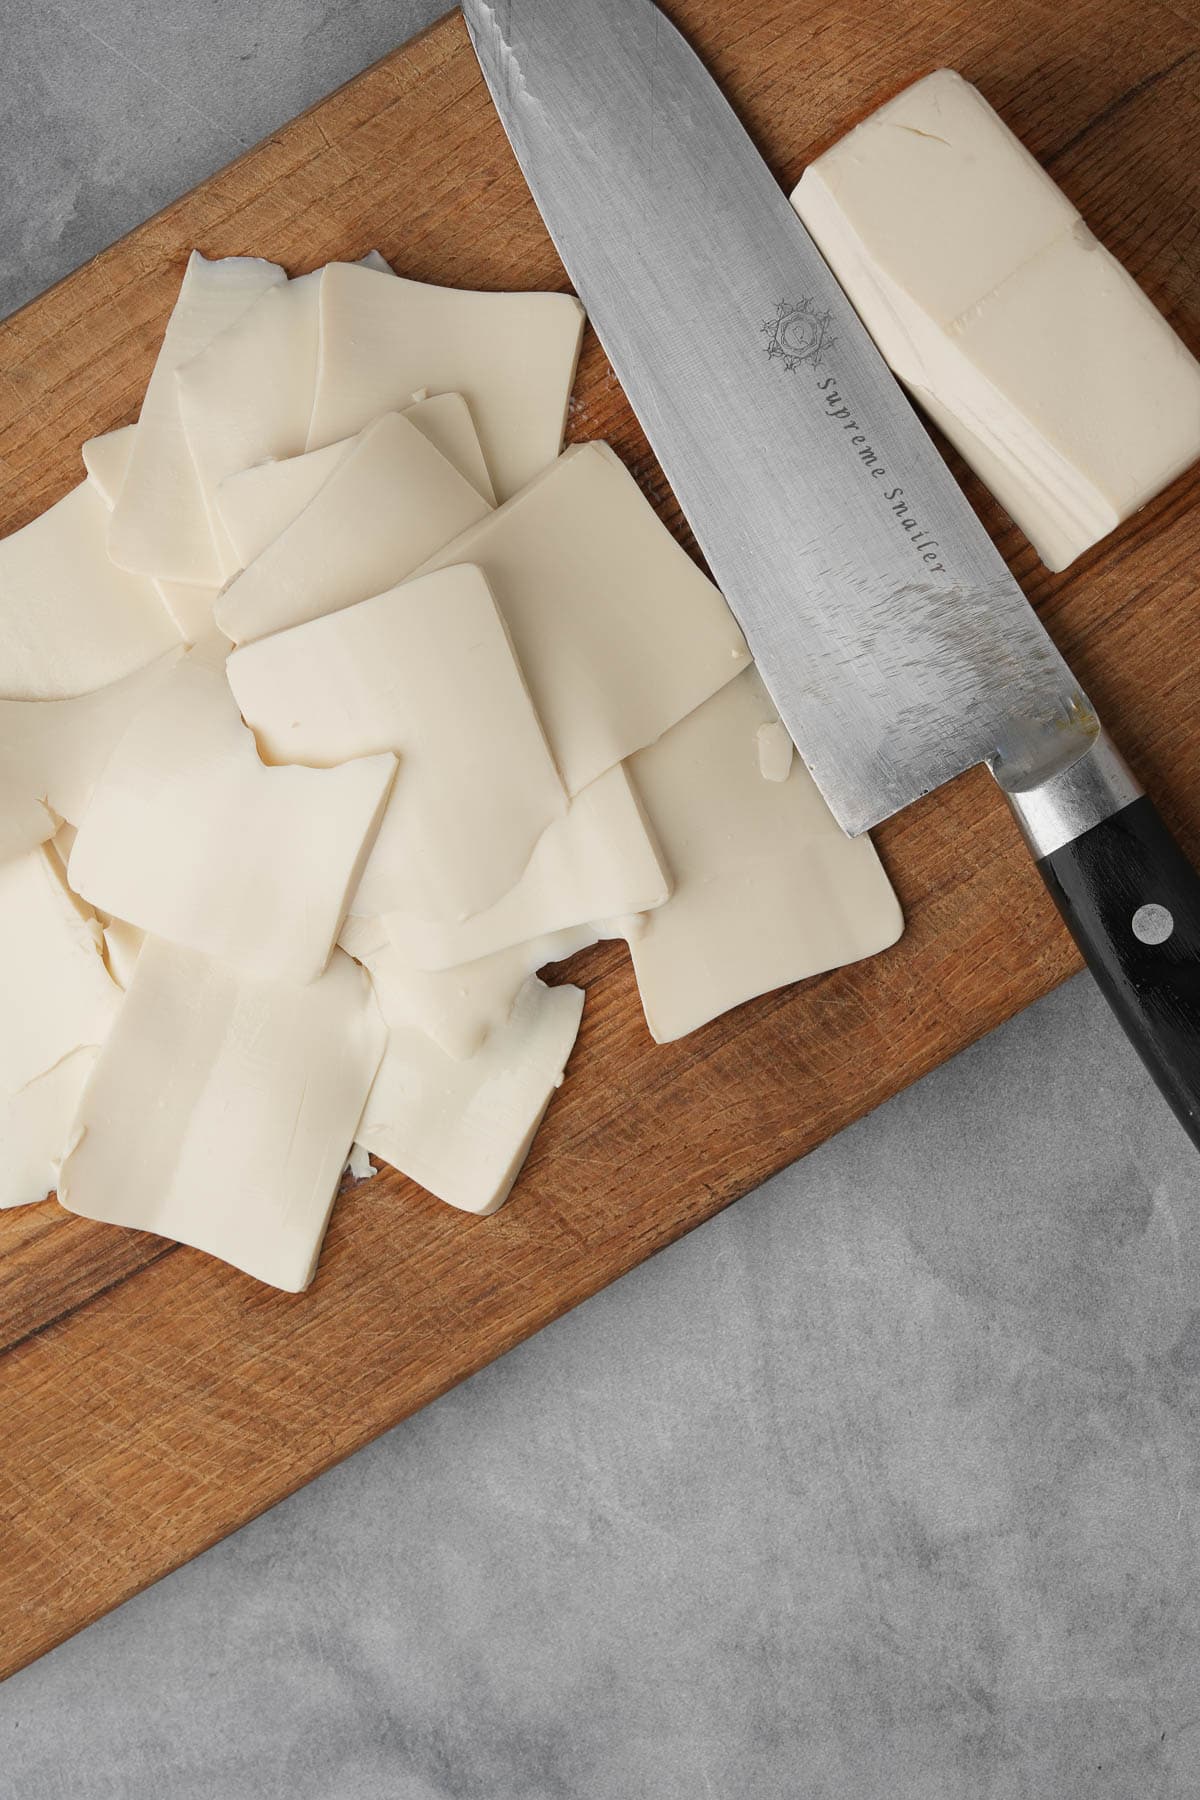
(895, 642)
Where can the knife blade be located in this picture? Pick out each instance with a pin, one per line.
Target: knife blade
(895, 641)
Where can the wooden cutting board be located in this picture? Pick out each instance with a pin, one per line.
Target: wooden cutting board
(153, 1400)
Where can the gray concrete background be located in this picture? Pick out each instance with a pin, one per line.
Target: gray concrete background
(882, 1486)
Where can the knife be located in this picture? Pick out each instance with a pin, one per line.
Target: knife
(894, 640)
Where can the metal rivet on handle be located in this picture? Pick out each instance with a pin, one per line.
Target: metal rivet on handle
(1152, 924)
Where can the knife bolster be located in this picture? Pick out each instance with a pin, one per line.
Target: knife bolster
(1075, 799)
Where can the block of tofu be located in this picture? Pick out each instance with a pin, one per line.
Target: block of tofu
(511, 356)
(258, 503)
(767, 888)
(458, 1008)
(617, 630)
(189, 836)
(463, 1127)
(598, 861)
(58, 1004)
(425, 670)
(69, 620)
(106, 459)
(243, 1148)
(387, 505)
(52, 751)
(1021, 336)
(160, 524)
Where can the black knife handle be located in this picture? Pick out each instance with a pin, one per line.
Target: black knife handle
(1131, 901)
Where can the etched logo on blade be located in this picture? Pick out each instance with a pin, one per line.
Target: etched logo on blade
(799, 334)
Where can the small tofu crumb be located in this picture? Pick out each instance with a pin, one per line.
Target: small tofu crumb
(774, 751)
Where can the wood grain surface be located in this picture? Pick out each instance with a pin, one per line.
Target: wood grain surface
(152, 1400)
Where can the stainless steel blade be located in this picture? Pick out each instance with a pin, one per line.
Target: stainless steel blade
(891, 634)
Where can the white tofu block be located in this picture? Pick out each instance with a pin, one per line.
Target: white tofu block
(595, 863)
(160, 524)
(767, 888)
(387, 505)
(1072, 343)
(58, 1004)
(52, 751)
(221, 1110)
(463, 1128)
(947, 198)
(458, 1008)
(106, 459)
(511, 356)
(191, 838)
(617, 630)
(1022, 337)
(69, 620)
(425, 670)
(256, 504)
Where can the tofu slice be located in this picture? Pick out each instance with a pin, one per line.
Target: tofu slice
(619, 633)
(445, 419)
(106, 459)
(160, 524)
(248, 395)
(767, 887)
(458, 1008)
(256, 504)
(52, 751)
(190, 837)
(221, 1110)
(463, 1128)
(511, 356)
(122, 947)
(69, 620)
(1024, 340)
(425, 670)
(35, 1129)
(597, 862)
(387, 505)
(58, 1004)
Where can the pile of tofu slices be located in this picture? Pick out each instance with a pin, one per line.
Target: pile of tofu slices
(338, 702)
